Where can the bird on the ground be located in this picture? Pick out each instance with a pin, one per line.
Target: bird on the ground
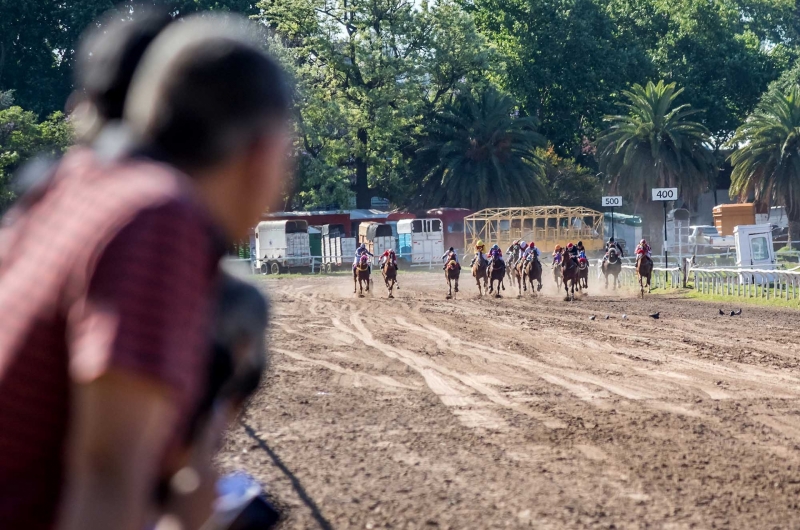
(737, 312)
(624, 317)
(655, 315)
(607, 317)
(721, 312)
(732, 313)
(592, 317)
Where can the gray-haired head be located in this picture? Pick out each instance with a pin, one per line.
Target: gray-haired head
(205, 90)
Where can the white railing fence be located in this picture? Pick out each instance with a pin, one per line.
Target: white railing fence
(662, 278)
(748, 283)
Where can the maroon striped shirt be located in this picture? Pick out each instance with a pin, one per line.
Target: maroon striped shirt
(112, 268)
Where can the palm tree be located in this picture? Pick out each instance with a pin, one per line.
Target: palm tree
(767, 162)
(478, 153)
(655, 145)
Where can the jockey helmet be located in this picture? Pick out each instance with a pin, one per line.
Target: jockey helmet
(642, 242)
(610, 239)
(522, 244)
(570, 246)
(479, 244)
(495, 247)
(451, 250)
(580, 243)
(532, 244)
(363, 246)
(558, 248)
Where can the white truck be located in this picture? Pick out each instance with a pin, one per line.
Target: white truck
(337, 249)
(281, 246)
(754, 250)
(705, 238)
(423, 239)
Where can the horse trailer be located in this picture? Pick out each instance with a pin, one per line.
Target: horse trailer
(281, 246)
(338, 250)
(422, 239)
(378, 237)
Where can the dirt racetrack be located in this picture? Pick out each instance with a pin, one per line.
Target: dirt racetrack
(421, 412)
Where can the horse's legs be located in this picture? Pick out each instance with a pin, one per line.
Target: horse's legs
(456, 284)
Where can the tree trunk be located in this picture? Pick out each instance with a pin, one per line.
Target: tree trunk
(652, 226)
(363, 199)
(794, 233)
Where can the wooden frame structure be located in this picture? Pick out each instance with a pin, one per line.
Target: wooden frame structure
(547, 226)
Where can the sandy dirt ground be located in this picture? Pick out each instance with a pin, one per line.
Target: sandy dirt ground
(422, 412)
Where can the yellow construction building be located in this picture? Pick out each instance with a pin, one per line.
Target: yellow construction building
(547, 226)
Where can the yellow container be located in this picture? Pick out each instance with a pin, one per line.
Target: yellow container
(727, 216)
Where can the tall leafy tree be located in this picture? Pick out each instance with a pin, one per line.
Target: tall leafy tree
(480, 154)
(378, 68)
(23, 136)
(766, 163)
(656, 143)
(38, 39)
(568, 183)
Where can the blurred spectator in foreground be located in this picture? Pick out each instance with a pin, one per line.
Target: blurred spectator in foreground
(107, 295)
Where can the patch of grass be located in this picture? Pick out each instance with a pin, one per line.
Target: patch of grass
(743, 300)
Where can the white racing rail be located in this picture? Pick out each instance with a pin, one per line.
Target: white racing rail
(749, 283)
(662, 278)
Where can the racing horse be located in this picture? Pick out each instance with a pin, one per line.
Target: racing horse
(389, 271)
(480, 270)
(514, 256)
(361, 275)
(569, 275)
(557, 271)
(527, 271)
(583, 273)
(497, 273)
(452, 271)
(644, 271)
(612, 266)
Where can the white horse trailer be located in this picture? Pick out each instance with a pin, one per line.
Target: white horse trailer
(337, 249)
(282, 245)
(423, 239)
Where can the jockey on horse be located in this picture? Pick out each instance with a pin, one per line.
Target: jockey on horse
(612, 244)
(390, 256)
(643, 250)
(531, 252)
(557, 255)
(480, 248)
(573, 252)
(361, 251)
(496, 254)
(450, 254)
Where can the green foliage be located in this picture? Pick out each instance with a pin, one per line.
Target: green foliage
(568, 60)
(568, 183)
(6, 99)
(368, 75)
(21, 137)
(564, 61)
(767, 161)
(479, 154)
(656, 144)
(38, 39)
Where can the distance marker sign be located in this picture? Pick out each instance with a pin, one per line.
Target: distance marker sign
(612, 202)
(665, 194)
